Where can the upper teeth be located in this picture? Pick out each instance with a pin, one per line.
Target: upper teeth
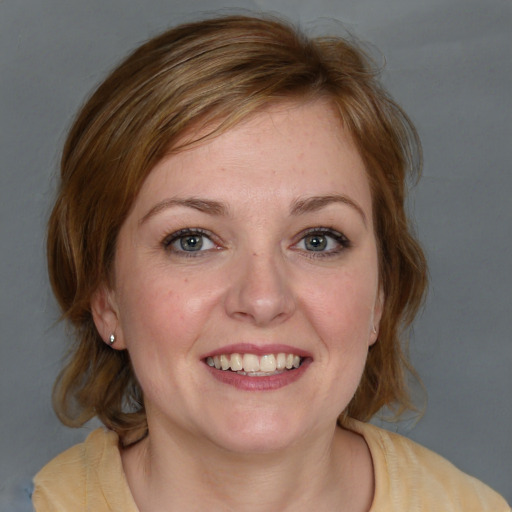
(253, 363)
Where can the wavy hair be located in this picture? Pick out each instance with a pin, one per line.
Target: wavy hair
(215, 73)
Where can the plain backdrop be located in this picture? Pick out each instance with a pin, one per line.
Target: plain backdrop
(448, 63)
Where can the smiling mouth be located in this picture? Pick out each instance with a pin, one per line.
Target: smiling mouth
(252, 365)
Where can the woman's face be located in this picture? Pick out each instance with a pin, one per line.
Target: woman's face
(243, 258)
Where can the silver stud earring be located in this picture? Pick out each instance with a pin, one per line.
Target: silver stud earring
(374, 330)
(112, 339)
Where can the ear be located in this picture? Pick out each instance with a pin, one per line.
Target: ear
(377, 315)
(106, 317)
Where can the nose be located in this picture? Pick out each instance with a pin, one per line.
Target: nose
(260, 291)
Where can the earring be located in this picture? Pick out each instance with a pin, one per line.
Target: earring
(374, 330)
(112, 339)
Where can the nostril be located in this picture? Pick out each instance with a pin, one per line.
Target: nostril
(259, 290)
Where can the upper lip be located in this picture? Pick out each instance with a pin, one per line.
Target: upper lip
(257, 349)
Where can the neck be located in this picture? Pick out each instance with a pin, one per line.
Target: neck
(176, 473)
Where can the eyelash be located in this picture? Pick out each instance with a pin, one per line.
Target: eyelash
(169, 240)
(342, 241)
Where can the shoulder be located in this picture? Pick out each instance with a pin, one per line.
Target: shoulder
(76, 479)
(415, 478)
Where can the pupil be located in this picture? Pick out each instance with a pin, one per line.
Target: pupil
(316, 243)
(191, 243)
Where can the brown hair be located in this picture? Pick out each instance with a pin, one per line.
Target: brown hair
(215, 73)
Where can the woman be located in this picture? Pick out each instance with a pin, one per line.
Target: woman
(230, 243)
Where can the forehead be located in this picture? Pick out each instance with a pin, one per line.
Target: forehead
(281, 153)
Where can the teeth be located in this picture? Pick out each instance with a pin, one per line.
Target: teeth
(268, 363)
(253, 365)
(236, 362)
(224, 362)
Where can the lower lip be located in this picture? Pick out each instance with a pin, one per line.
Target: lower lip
(272, 382)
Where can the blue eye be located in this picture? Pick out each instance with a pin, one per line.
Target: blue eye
(188, 241)
(323, 241)
(316, 242)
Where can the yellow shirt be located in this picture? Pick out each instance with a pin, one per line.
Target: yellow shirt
(89, 477)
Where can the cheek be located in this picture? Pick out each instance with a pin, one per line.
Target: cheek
(163, 310)
(342, 315)
(343, 304)
(161, 319)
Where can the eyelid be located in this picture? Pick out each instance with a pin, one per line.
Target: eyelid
(334, 233)
(339, 237)
(169, 239)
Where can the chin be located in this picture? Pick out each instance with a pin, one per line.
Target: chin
(262, 433)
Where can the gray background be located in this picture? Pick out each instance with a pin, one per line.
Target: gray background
(448, 64)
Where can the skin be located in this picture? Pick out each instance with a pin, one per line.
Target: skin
(255, 281)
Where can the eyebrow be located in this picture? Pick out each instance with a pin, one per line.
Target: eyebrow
(202, 205)
(299, 206)
(315, 203)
